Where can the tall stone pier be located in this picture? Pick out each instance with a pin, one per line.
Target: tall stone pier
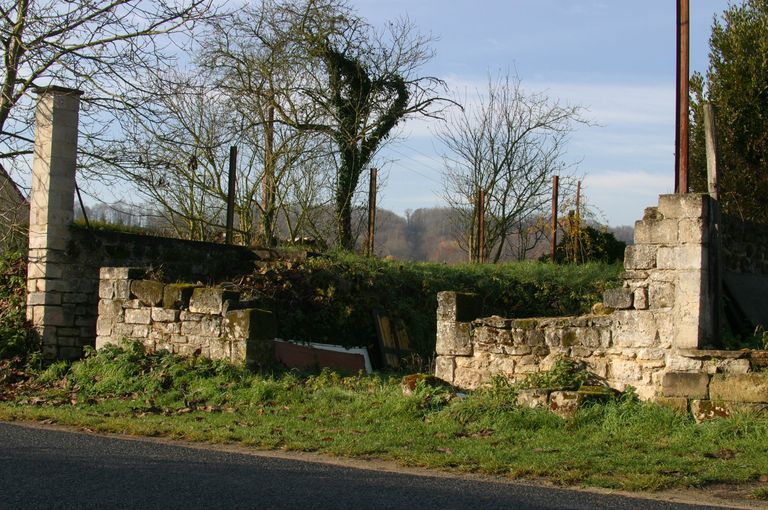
(50, 303)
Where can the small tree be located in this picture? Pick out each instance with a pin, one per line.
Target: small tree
(509, 144)
(736, 83)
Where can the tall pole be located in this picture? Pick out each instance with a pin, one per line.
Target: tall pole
(231, 194)
(555, 190)
(268, 179)
(481, 226)
(683, 62)
(371, 213)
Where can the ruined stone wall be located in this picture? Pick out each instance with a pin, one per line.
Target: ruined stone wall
(181, 318)
(69, 289)
(654, 324)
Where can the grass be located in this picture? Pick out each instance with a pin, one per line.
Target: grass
(621, 444)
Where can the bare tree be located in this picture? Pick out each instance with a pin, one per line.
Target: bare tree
(336, 77)
(507, 143)
(102, 47)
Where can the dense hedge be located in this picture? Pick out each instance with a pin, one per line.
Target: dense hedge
(333, 299)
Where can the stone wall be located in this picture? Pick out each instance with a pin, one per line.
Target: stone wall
(744, 245)
(64, 260)
(71, 286)
(654, 324)
(181, 318)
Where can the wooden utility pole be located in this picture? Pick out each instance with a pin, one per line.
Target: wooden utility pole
(555, 191)
(231, 194)
(681, 132)
(715, 250)
(371, 214)
(481, 226)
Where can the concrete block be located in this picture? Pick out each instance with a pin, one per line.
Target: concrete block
(149, 292)
(740, 387)
(457, 306)
(618, 299)
(685, 384)
(210, 300)
(453, 338)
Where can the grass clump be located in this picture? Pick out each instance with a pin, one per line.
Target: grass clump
(619, 443)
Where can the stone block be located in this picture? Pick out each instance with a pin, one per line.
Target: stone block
(210, 300)
(683, 205)
(678, 404)
(139, 316)
(121, 273)
(565, 403)
(457, 306)
(535, 398)
(685, 384)
(453, 338)
(517, 350)
(661, 295)
(640, 256)
(640, 298)
(164, 315)
(678, 363)
(106, 289)
(703, 410)
(104, 327)
(444, 368)
(122, 289)
(110, 310)
(692, 231)
(740, 387)
(257, 329)
(208, 325)
(149, 292)
(656, 231)
(177, 295)
(618, 299)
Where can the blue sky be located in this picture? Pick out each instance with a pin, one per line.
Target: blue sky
(616, 58)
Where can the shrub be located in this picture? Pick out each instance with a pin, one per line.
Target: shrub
(17, 338)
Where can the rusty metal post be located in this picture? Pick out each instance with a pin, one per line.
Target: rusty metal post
(371, 214)
(481, 226)
(681, 131)
(231, 194)
(555, 191)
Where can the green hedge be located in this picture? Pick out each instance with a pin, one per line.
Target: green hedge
(333, 299)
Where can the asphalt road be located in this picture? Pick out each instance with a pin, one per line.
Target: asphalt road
(51, 469)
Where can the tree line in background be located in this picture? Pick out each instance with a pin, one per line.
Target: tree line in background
(426, 234)
(307, 90)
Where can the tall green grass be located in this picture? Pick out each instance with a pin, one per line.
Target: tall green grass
(622, 443)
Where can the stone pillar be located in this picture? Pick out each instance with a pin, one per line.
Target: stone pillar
(455, 313)
(50, 216)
